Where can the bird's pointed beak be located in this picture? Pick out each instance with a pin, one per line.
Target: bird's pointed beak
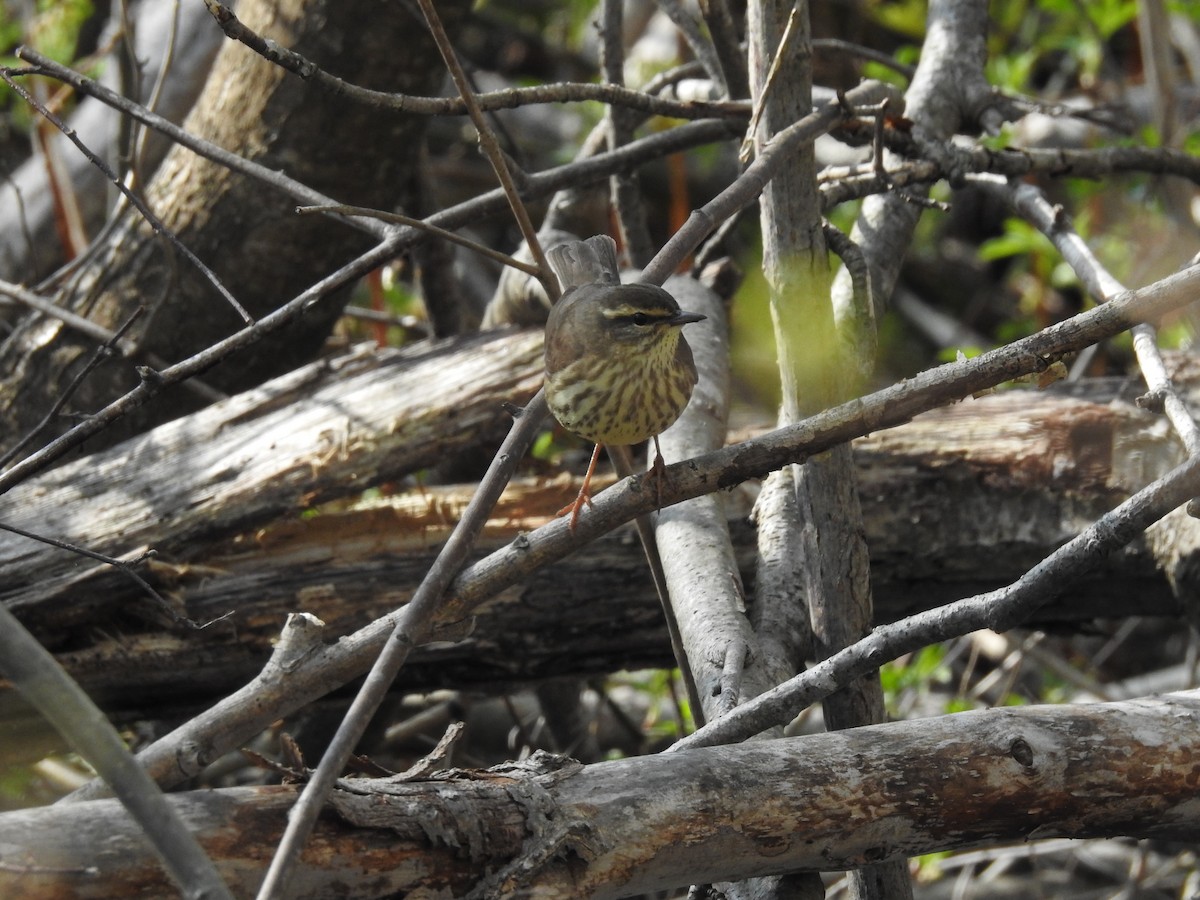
(683, 317)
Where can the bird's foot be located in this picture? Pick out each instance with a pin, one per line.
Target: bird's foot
(575, 507)
(584, 497)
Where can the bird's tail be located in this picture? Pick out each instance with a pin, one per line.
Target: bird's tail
(593, 261)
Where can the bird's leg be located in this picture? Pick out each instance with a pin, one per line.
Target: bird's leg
(583, 497)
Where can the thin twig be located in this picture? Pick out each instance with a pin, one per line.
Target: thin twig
(782, 52)
(626, 193)
(125, 567)
(83, 326)
(142, 135)
(848, 48)
(133, 198)
(705, 52)
(569, 92)
(623, 463)
(856, 324)
(671, 77)
(491, 147)
(343, 209)
(130, 82)
(723, 31)
(877, 145)
(114, 342)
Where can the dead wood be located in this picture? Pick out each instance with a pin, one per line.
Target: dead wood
(551, 828)
(985, 488)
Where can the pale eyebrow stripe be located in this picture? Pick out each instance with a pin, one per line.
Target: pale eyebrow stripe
(625, 310)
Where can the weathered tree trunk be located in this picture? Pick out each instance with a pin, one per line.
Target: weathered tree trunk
(246, 231)
(323, 432)
(550, 828)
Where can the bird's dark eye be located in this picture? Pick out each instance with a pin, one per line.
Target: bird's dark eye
(641, 319)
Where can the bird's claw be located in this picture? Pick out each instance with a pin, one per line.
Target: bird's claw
(575, 507)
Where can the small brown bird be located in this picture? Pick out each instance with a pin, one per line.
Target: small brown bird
(618, 369)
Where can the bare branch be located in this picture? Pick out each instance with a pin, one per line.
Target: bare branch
(751, 183)
(998, 610)
(155, 223)
(342, 209)
(612, 95)
(1054, 224)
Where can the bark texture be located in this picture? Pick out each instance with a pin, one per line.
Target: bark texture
(550, 828)
(245, 231)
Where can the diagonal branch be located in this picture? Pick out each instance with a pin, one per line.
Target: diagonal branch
(775, 154)
(137, 202)
(998, 610)
(569, 92)
(1054, 224)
